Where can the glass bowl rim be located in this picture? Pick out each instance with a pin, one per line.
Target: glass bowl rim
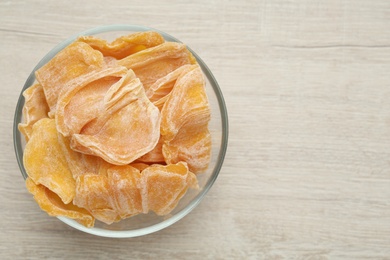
(222, 150)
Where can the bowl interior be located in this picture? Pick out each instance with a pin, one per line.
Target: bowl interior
(143, 224)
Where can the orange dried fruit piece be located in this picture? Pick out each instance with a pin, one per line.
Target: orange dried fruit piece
(159, 92)
(73, 61)
(139, 165)
(126, 197)
(93, 193)
(186, 105)
(154, 156)
(154, 63)
(78, 163)
(128, 129)
(35, 108)
(49, 202)
(125, 45)
(83, 99)
(162, 187)
(45, 163)
(112, 196)
(192, 145)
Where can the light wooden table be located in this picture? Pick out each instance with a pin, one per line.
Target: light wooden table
(307, 86)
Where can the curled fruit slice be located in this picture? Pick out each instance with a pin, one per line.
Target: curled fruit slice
(35, 108)
(53, 205)
(83, 99)
(125, 45)
(191, 145)
(186, 105)
(154, 156)
(45, 163)
(75, 60)
(163, 186)
(122, 135)
(125, 194)
(151, 64)
(159, 92)
(93, 193)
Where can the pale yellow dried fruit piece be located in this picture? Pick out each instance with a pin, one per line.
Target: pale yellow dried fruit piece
(45, 163)
(162, 187)
(94, 193)
(79, 163)
(83, 99)
(154, 156)
(49, 202)
(35, 108)
(139, 165)
(73, 61)
(191, 145)
(122, 136)
(126, 196)
(124, 45)
(159, 92)
(186, 105)
(154, 63)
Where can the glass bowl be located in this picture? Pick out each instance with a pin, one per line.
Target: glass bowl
(143, 224)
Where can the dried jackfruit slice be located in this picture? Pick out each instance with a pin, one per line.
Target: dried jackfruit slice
(35, 108)
(191, 145)
(49, 202)
(94, 193)
(159, 92)
(45, 163)
(125, 195)
(73, 61)
(155, 155)
(83, 99)
(154, 63)
(186, 105)
(139, 165)
(125, 45)
(124, 134)
(78, 163)
(162, 187)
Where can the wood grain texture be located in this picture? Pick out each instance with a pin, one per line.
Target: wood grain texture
(307, 87)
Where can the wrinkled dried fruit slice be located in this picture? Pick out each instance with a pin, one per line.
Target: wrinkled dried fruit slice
(191, 145)
(83, 99)
(124, 135)
(45, 163)
(78, 163)
(163, 186)
(35, 107)
(154, 63)
(159, 92)
(125, 45)
(186, 105)
(140, 166)
(126, 196)
(49, 202)
(93, 193)
(73, 61)
(155, 155)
